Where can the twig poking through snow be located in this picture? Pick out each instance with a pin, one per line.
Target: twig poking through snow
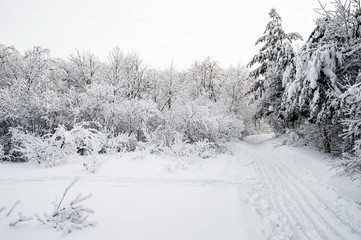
(65, 192)
(13, 207)
(2, 209)
(70, 215)
(20, 219)
(39, 219)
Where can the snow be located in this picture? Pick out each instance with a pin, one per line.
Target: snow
(264, 190)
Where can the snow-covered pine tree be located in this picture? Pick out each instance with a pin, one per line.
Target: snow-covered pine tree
(273, 59)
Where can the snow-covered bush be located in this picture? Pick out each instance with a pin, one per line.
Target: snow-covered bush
(203, 120)
(200, 149)
(71, 215)
(292, 138)
(196, 129)
(120, 143)
(44, 150)
(351, 107)
(85, 139)
(351, 136)
(55, 149)
(139, 118)
(2, 153)
(96, 103)
(350, 164)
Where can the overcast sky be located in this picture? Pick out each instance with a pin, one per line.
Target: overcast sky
(158, 30)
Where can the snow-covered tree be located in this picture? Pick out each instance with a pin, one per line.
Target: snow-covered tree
(325, 68)
(117, 61)
(128, 105)
(83, 69)
(206, 79)
(10, 63)
(133, 77)
(273, 59)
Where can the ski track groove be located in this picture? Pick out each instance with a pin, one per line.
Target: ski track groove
(320, 224)
(327, 209)
(290, 216)
(308, 214)
(125, 181)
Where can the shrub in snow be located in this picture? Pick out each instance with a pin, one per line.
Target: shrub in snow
(45, 150)
(138, 118)
(2, 153)
(292, 138)
(351, 106)
(202, 149)
(197, 129)
(205, 120)
(351, 163)
(55, 149)
(71, 215)
(120, 143)
(86, 140)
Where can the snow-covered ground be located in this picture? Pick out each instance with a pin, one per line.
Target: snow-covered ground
(262, 191)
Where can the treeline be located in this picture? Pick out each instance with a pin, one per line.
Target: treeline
(83, 105)
(315, 91)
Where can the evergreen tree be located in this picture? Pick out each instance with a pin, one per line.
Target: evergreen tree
(276, 54)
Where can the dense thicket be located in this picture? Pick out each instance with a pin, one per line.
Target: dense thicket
(52, 108)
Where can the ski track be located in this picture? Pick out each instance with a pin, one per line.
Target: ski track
(209, 182)
(293, 204)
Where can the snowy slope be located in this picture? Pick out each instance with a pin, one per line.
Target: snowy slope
(262, 191)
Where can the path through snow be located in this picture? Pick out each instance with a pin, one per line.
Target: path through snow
(263, 191)
(292, 202)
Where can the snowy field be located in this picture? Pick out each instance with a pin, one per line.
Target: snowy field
(262, 191)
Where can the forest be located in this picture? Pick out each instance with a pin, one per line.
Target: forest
(52, 109)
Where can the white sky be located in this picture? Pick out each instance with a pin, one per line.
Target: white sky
(158, 30)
